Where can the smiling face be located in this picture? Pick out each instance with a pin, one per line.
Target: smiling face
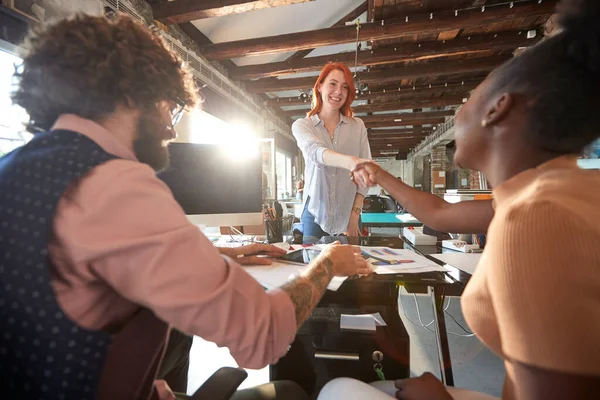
(334, 90)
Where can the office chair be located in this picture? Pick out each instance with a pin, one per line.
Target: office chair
(130, 367)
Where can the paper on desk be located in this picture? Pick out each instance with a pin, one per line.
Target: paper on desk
(397, 269)
(406, 217)
(362, 322)
(401, 261)
(336, 282)
(464, 261)
(283, 245)
(279, 273)
(393, 255)
(274, 275)
(378, 319)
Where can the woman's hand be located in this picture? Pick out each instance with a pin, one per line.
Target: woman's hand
(425, 387)
(353, 228)
(256, 253)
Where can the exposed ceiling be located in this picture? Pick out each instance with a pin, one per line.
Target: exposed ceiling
(418, 59)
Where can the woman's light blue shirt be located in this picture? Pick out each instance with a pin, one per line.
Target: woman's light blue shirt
(330, 189)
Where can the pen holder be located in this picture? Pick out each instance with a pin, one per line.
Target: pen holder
(274, 231)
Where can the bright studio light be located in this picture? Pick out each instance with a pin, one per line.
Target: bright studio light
(237, 140)
(241, 142)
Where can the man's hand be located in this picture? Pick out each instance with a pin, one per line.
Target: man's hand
(306, 290)
(425, 387)
(162, 390)
(346, 260)
(257, 253)
(353, 225)
(365, 174)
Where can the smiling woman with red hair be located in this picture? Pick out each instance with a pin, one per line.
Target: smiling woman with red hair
(331, 140)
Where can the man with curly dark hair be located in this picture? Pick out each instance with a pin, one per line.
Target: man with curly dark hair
(91, 239)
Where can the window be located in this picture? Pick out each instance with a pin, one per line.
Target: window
(283, 168)
(12, 118)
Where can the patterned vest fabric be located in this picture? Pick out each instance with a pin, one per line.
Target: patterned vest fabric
(43, 354)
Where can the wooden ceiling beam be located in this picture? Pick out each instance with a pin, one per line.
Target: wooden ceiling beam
(395, 140)
(396, 143)
(416, 70)
(179, 11)
(405, 116)
(404, 122)
(392, 106)
(408, 92)
(351, 16)
(414, 25)
(376, 133)
(404, 93)
(401, 147)
(401, 53)
(384, 145)
(201, 39)
(410, 116)
(395, 146)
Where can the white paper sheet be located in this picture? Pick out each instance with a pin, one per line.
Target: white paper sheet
(378, 319)
(396, 269)
(358, 322)
(464, 261)
(279, 273)
(274, 275)
(364, 322)
(406, 218)
(336, 282)
(400, 260)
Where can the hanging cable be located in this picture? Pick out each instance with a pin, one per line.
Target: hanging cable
(357, 47)
(358, 89)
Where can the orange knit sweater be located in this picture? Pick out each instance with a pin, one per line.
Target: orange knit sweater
(535, 296)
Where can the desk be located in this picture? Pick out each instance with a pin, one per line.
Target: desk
(438, 284)
(380, 293)
(385, 220)
(294, 207)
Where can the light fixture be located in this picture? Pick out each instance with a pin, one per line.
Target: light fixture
(361, 88)
(389, 145)
(303, 96)
(398, 120)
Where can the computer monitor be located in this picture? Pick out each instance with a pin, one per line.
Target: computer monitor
(214, 188)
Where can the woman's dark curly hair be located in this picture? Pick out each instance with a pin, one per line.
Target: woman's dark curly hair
(88, 65)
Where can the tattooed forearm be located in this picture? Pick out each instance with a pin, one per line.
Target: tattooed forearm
(306, 290)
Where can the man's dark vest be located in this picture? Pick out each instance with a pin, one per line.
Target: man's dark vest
(43, 354)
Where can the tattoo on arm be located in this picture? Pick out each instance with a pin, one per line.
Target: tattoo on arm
(306, 290)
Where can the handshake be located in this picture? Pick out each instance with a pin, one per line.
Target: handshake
(365, 173)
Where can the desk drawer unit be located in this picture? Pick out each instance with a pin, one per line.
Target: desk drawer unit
(322, 351)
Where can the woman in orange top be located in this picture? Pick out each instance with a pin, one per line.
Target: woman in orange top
(535, 296)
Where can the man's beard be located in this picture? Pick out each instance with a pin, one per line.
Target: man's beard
(148, 145)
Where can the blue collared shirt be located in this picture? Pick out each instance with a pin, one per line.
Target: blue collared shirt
(330, 189)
